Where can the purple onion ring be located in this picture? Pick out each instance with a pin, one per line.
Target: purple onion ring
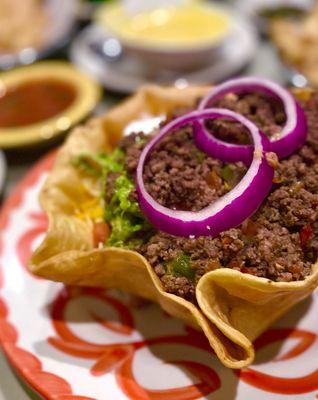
(228, 211)
(292, 136)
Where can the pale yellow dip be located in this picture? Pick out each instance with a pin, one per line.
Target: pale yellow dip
(195, 23)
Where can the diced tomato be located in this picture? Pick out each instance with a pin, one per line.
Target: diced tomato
(295, 269)
(239, 266)
(278, 178)
(234, 265)
(250, 228)
(251, 270)
(214, 264)
(100, 233)
(305, 235)
(214, 180)
(244, 270)
(226, 240)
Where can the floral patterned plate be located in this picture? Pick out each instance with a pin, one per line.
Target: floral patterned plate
(76, 343)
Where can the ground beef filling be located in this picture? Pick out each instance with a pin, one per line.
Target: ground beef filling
(181, 177)
(280, 241)
(266, 112)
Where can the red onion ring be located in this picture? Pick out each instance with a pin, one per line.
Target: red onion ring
(292, 136)
(226, 212)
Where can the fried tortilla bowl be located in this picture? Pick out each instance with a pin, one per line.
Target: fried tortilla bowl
(234, 308)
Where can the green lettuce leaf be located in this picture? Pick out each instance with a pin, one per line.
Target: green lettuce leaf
(122, 212)
(124, 215)
(101, 164)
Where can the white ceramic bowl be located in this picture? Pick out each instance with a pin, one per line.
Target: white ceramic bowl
(181, 59)
(178, 57)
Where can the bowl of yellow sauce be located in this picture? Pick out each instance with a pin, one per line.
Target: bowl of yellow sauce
(175, 37)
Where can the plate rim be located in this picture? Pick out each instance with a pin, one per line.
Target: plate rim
(13, 59)
(46, 384)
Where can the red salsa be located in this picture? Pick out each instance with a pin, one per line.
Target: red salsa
(35, 101)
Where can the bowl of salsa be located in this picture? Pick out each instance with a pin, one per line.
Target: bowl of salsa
(41, 101)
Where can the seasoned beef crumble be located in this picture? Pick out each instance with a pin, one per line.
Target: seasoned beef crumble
(279, 242)
(179, 176)
(266, 112)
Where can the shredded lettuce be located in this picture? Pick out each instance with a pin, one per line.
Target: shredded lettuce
(124, 215)
(122, 212)
(227, 173)
(101, 164)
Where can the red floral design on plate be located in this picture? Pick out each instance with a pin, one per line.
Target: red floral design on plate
(119, 357)
(275, 384)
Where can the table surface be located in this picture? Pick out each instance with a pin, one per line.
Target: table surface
(265, 64)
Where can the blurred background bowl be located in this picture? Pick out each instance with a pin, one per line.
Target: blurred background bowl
(101, 55)
(265, 11)
(49, 96)
(62, 18)
(174, 56)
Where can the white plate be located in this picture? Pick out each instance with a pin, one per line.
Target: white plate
(126, 73)
(62, 18)
(88, 344)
